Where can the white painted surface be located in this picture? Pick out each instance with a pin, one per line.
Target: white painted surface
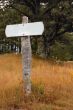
(29, 29)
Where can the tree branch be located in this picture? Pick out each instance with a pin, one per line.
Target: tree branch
(30, 5)
(53, 6)
(20, 12)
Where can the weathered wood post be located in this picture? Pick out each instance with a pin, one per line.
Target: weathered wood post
(26, 59)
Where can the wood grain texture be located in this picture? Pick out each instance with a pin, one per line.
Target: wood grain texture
(26, 59)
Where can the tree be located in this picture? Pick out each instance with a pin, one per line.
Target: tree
(57, 16)
(8, 16)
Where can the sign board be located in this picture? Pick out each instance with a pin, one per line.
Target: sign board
(28, 29)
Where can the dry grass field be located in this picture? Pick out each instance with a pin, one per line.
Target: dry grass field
(52, 84)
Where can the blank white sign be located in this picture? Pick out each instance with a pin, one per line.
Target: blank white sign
(29, 29)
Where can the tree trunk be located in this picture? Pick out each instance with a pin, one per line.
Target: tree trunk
(26, 59)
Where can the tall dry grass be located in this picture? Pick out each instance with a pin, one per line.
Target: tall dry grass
(52, 84)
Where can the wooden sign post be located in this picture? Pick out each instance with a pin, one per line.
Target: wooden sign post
(26, 59)
(25, 30)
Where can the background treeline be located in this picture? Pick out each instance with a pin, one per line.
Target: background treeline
(57, 15)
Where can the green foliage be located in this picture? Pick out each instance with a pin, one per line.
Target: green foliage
(39, 88)
(61, 51)
(57, 16)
